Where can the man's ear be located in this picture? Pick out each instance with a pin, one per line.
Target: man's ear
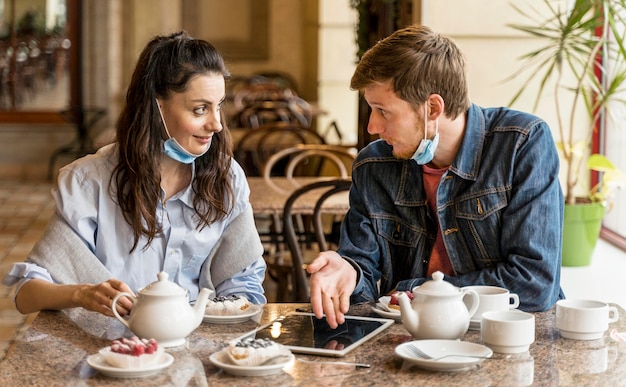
(436, 106)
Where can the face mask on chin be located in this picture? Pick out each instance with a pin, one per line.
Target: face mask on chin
(173, 149)
(426, 150)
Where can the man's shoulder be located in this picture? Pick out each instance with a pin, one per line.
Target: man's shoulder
(498, 118)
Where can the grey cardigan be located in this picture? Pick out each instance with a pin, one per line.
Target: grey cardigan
(68, 259)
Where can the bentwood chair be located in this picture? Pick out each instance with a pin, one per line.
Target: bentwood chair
(316, 160)
(292, 283)
(292, 164)
(257, 145)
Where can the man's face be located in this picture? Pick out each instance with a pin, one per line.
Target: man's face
(394, 120)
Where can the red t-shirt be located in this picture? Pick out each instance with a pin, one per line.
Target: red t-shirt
(439, 260)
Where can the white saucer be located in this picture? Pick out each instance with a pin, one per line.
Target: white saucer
(220, 360)
(97, 362)
(246, 315)
(383, 313)
(436, 348)
(394, 314)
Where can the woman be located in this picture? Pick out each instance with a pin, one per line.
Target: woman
(166, 196)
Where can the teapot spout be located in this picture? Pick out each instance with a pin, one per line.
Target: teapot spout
(200, 305)
(410, 318)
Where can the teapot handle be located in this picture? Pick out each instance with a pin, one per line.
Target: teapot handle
(117, 315)
(475, 300)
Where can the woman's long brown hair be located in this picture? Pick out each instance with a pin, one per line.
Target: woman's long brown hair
(165, 66)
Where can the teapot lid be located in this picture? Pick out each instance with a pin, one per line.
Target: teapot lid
(438, 286)
(163, 287)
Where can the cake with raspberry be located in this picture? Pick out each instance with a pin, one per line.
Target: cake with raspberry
(253, 352)
(225, 306)
(394, 303)
(132, 352)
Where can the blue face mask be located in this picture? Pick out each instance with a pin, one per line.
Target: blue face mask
(426, 150)
(173, 149)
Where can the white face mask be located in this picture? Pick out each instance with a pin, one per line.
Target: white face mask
(426, 150)
(173, 149)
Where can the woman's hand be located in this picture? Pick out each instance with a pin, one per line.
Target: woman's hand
(333, 280)
(99, 298)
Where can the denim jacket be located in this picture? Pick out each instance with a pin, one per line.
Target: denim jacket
(500, 209)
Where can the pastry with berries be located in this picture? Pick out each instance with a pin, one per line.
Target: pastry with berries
(393, 300)
(132, 352)
(227, 306)
(252, 352)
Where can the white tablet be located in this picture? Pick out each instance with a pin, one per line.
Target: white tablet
(304, 333)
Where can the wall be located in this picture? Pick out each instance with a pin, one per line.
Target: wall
(115, 31)
(493, 49)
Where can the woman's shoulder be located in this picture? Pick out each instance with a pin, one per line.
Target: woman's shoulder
(97, 166)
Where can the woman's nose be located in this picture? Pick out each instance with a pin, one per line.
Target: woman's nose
(215, 122)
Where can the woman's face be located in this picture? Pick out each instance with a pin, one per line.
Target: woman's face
(193, 116)
(394, 120)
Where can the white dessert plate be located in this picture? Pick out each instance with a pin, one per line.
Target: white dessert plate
(393, 314)
(98, 362)
(220, 360)
(438, 348)
(245, 315)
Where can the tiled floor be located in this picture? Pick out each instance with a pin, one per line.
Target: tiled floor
(26, 207)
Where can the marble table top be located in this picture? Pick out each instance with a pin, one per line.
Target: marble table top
(54, 352)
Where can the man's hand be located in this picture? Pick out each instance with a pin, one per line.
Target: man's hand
(333, 280)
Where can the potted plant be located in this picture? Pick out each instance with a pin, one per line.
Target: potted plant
(581, 38)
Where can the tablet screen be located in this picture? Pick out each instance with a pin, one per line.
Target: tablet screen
(304, 333)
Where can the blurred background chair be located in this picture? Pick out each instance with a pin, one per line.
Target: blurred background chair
(309, 160)
(299, 164)
(289, 267)
(291, 164)
(256, 145)
(265, 97)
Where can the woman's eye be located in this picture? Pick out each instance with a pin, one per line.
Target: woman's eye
(200, 110)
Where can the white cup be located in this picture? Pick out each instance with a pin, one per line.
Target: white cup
(508, 331)
(492, 298)
(584, 319)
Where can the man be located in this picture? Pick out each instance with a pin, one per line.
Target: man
(450, 186)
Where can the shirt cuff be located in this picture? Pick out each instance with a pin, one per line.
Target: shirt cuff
(358, 288)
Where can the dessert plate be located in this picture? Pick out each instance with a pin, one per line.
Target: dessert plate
(220, 360)
(438, 348)
(392, 314)
(245, 315)
(97, 362)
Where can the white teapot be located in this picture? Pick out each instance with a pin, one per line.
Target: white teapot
(162, 311)
(437, 310)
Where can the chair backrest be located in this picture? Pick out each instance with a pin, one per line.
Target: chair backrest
(257, 145)
(309, 160)
(327, 189)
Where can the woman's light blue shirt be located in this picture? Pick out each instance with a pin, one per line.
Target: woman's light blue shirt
(86, 201)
